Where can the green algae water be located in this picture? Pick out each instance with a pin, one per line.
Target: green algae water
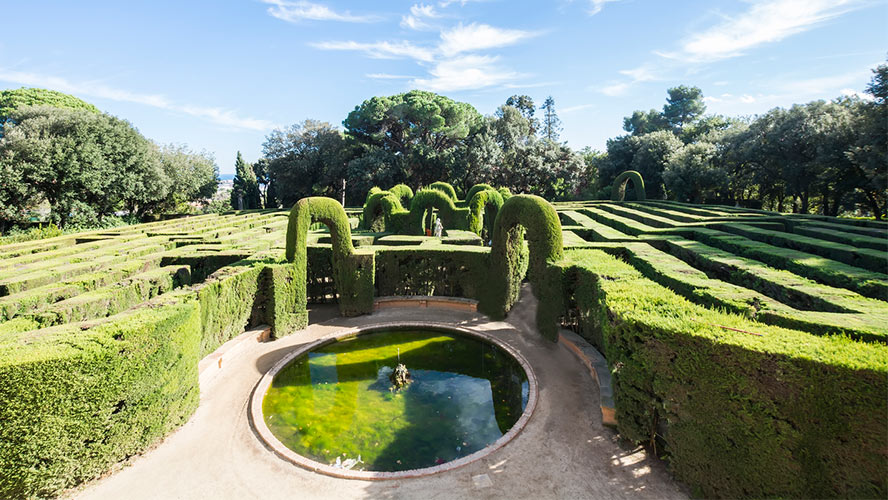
(336, 405)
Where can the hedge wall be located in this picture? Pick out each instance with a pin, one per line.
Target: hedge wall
(76, 400)
(739, 408)
(543, 232)
(434, 271)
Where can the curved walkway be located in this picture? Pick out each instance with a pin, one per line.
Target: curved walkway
(564, 452)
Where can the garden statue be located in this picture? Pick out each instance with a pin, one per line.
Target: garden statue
(400, 377)
(439, 227)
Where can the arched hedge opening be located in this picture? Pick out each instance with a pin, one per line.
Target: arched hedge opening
(618, 193)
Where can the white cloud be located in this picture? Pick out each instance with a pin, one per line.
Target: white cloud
(382, 50)
(644, 73)
(614, 90)
(419, 12)
(220, 116)
(294, 12)
(765, 22)
(595, 6)
(446, 3)
(465, 73)
(573, 109)
(387, 76)
(474, 37)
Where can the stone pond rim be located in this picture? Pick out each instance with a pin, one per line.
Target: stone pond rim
(257, 420)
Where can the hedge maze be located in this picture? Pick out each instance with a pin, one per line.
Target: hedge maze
(747, 347)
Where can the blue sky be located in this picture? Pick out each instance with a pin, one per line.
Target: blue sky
(219, 75)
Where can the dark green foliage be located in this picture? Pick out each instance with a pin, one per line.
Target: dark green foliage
(543, 231)
(226, 304)
(76, 401)
(445, 188)
(781, 413)
(245, 191)
(619, 190)
(14, 99)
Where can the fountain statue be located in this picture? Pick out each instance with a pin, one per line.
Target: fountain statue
(400, 377)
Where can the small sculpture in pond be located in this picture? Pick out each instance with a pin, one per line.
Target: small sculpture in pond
(400, 377)
(439, 227)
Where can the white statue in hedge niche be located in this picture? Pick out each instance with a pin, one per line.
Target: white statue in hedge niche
(439, 227)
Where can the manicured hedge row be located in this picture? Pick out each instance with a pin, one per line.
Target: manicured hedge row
(846, 238)
(777, 414)
(618, 192)
(76, 400)
(818, 268)
(872, 260)
(431, 271)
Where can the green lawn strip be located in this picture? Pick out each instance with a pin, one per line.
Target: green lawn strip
(863, 231)
(699, 210)
(740, 408)
(622, 224)
(71, 253)
(571, 240)
(797, 302)
(872, 260)
(844, 221)
(40, 277)
(820, 269)
(37, 298)
(102, 302)
(642, 217)
(595, 231)
(461, 237)
(852, 239)
(668, 213)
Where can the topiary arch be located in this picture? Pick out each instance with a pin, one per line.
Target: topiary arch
(618, 193)
(543, 228)
(352, 271)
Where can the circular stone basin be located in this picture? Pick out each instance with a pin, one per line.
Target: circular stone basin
(334, 405)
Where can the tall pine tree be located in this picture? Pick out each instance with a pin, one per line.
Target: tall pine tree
(246, 188)
(551, 123)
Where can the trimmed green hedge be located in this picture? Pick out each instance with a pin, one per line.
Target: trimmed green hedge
(477, 188)
(353, 270)
(778, 414)
(434, 271)
(483, 205)
(403, 193)
(618, 192)
(76, 400)
(445, 188)
(543, 231)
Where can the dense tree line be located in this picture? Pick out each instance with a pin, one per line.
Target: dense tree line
(823, 157)
(419, 138)
(88, 166)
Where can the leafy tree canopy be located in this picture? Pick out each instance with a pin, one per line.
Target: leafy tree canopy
(13, 99)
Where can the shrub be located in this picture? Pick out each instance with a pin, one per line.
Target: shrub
(540, 220)
(483, 205)
(353, 271)
(741, 409)
(445, 188)
(403, 193)
(76, 400)
(619, 190)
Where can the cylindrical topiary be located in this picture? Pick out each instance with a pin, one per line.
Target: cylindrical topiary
(618, 192)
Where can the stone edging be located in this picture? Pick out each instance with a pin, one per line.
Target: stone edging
(598, 368)
(442, 302)
(258, 422)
